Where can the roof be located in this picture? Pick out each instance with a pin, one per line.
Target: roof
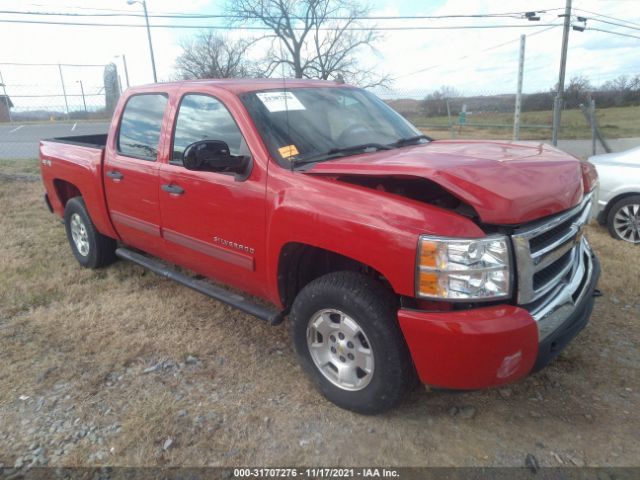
(4, 99)
(242, 85)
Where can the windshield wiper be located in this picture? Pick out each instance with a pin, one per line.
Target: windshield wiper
(401, 142)
(341, 152)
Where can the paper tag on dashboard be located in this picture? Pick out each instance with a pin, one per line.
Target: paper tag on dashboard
(288, 151)
(280, 101)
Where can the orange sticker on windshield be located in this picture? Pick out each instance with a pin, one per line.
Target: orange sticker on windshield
(288, 151)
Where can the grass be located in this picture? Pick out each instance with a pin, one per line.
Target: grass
(19, 167)
(615, 122)
(79, 341)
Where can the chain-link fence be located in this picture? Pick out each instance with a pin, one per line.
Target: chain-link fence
(43, 101)
(445, 113)
(54, 92)
(53, 100)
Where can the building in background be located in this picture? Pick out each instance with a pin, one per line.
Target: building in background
(5, 106)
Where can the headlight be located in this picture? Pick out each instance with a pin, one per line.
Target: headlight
(460, 269)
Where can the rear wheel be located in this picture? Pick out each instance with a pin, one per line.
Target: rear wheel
(346, 335)
(90, 247)
(623, 220)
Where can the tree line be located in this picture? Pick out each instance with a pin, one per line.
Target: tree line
(620, 92)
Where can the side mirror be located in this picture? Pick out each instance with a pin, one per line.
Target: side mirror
(212, 156)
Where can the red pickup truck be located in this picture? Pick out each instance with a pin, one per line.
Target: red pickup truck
(397, 258)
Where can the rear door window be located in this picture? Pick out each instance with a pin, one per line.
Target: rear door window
(140, 126)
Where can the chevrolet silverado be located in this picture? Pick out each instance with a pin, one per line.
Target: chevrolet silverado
(396, 258)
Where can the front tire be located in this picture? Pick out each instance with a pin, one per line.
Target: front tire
(345, 331)
(623, 220)
(90, 247)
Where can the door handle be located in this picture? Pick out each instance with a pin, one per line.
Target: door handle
(173, 189)
(116, 175)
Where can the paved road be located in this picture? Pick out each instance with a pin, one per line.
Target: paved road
(582, 148)
(20, 140)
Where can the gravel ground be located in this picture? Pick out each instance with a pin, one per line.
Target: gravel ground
(121, 367)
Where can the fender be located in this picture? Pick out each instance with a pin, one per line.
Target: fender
(82, 167)
(375, 228)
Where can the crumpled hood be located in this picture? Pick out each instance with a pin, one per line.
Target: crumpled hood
(505, 182)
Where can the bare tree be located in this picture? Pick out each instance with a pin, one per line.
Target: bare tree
(210, 55)
(577, 90)
(314, 38)
(435, 104)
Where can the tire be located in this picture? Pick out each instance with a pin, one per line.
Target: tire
(623, 220)
(334, 302)
(90, 247)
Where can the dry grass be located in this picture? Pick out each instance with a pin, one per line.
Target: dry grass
(615, 122)
(77, 342)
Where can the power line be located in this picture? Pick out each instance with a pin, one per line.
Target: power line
(52, 64)
(607, 16)
(493, 47)
(229, 27)
(613, 23)
(614, 33)
(227, 16)
(124, 13)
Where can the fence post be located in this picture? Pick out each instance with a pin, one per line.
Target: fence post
(589, 113)
(592, 114)
(64, 91)
(557, 105)
(516, 116)
(453, 133)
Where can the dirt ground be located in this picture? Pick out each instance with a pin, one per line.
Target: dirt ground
(121, 367)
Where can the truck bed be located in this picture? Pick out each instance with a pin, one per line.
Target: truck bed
(93, 141)
(72, 166)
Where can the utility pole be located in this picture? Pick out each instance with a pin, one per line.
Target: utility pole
(146, 18)
(516, 116)
(84, 102)
(6, 98)
(557, 104)
(64, 91)
(126, 71)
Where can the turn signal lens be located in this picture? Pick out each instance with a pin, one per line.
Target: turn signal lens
(428, 283)
(428, 254)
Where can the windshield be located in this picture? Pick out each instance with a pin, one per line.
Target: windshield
(303, 125)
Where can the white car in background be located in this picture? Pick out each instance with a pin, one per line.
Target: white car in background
(618, 194)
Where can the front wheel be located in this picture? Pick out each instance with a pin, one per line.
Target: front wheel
(623, 220)
(345, 332)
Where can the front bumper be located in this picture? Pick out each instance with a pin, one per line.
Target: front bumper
(570, 311)
(490, 346)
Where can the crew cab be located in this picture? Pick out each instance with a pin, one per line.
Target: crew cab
(395, 257)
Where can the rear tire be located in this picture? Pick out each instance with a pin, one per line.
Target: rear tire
(90, 247)
(623, 220)
(345, 331)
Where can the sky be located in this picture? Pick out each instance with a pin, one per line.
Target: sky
(479, 61)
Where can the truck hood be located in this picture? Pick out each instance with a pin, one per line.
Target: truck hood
(505, 182)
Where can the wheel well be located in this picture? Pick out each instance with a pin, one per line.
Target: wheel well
(614, 200)
(300, 264)
(65, 191)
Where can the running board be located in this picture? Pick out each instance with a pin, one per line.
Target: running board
(263, 313)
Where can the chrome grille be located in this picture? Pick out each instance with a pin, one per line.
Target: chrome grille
(547, 250)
